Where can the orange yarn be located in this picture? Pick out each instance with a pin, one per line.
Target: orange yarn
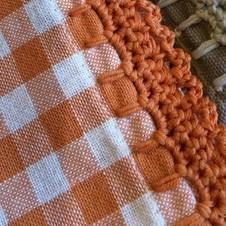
(186, 121)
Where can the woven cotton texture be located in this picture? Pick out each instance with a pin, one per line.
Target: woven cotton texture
(87, 135)
(64, 159)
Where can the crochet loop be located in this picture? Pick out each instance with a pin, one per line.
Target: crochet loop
(186, 122)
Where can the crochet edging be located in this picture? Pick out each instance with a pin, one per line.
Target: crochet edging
(190, 132)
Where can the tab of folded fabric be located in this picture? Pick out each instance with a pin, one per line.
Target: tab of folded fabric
(90, 27)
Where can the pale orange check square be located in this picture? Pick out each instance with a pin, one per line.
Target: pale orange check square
(50, 41)
(32, 142)
(90, 109)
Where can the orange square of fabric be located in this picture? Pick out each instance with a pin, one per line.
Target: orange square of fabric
(34, 217)
(95, 198)
(31, 59)
(9, 6)
(10, 161)
(61, 125)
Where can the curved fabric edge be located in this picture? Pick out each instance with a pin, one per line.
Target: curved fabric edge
(186, 121)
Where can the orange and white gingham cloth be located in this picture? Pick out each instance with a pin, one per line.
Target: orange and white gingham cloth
(65, 157)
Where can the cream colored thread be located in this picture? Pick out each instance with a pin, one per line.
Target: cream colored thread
(165, 3)
(219, 83)
(213, 12)
(193, 19)
(205, 48)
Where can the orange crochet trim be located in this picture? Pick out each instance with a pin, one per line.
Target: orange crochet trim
(186, 122)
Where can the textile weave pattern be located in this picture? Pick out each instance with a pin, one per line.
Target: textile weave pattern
(92, 96)
(186, 121)
(64, 158)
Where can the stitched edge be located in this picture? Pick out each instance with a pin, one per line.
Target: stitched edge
(190, 131)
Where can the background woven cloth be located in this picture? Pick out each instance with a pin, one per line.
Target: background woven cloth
(208, 67)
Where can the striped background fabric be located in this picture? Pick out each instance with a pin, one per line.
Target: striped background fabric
(210, 66)
(65, 157)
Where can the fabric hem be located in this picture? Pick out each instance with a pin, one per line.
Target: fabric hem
(186, 122)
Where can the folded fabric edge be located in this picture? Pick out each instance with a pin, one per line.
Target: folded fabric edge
(211, 208)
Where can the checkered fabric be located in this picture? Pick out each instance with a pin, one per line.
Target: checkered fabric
(65, 157)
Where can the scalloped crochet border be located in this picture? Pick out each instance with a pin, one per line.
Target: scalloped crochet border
(186, 121)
